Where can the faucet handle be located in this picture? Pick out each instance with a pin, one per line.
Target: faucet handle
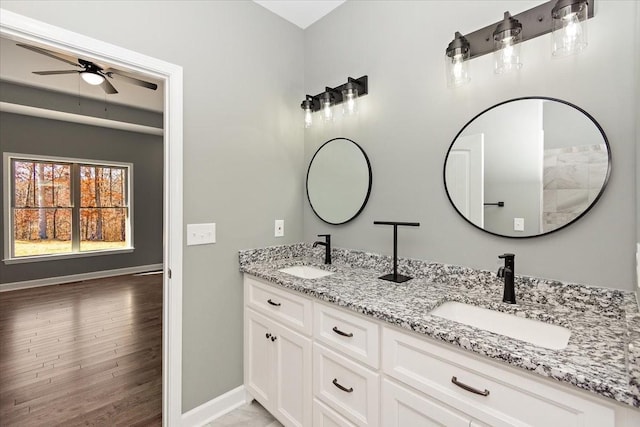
(507, 256)
(324, 235)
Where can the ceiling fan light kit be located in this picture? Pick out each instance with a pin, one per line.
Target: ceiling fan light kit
(91, 73)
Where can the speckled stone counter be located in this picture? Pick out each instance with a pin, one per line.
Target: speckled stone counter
(603, 354)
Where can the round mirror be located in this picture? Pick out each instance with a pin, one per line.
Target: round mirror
(338, 181)
(527, 167)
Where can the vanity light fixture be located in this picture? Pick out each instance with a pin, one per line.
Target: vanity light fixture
(326, 104)
(346, 94)
(569, 26)
(307, 106)
(565, 19)
(506, 38)
(455, 58)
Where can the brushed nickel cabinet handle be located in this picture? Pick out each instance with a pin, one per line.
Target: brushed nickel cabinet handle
(344, 334)
(341, 387)
(469, 388)
(277, 304)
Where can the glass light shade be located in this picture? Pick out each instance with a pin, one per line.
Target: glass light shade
(308, 119)
(92, 78)
(569, 34)
(507, 54)
(350, 100)
(457, 68)
(326, 110)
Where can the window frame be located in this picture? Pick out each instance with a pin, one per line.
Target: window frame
(75, 163)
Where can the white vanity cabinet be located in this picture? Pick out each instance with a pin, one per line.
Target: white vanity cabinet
(277, 359)
(311, 363)
(479, 390)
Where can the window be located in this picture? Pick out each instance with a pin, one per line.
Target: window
(65, 207)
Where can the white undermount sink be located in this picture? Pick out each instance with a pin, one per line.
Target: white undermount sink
(532, 331)
(306, 272)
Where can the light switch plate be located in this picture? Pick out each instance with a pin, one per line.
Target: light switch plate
(279, 228)
(201, 234)
(518, 224)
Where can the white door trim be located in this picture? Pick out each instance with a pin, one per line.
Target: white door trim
(29, 30)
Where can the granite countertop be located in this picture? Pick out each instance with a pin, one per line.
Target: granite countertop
(603, 353)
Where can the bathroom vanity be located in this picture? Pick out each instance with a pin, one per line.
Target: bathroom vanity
(345, 348)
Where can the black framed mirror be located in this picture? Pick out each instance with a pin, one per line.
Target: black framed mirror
(339, 181)
(527, 167)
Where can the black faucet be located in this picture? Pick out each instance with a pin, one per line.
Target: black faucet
(327, 247)
(509, 295)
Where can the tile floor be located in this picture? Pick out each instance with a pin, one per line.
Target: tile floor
(249, 415)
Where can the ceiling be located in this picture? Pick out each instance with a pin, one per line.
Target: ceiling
(300, 12)
(17, 64)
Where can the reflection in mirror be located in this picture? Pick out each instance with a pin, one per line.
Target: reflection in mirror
(527, 167)
(338, 181)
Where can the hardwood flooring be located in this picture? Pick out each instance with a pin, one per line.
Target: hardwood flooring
(85, 353)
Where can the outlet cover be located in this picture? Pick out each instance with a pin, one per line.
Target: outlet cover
(518, 224)
(201, 234)
(279, 228)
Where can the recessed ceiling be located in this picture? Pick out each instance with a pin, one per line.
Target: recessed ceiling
(17, 65)
(300, 12)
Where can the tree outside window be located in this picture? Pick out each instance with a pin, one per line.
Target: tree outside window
(64, 207)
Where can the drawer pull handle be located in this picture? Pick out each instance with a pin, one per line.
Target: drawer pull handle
(277, 304)
(469, 388)
(344, 334)
(341, 387)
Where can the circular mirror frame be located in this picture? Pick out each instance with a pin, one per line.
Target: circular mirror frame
(545, 98)
(366, 199)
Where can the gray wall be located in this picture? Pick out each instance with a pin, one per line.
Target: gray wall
(31, 135)
(409, 118)
(243, 148)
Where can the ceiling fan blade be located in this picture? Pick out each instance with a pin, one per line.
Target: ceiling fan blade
(108, 87)
(121, 75)
(55, 55)
(49, 73)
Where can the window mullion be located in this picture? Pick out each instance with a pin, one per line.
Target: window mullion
(75, 210)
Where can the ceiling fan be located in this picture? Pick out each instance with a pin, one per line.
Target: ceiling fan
(91, 72)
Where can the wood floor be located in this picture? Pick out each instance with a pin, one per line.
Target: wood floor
(86, 353)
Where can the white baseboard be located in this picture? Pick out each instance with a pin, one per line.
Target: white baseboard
(638, 271)
(216, 408)
(4, 287)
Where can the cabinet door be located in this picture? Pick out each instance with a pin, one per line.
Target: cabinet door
(323, 416)
(293, 377)
(402, 407)
(258, 355)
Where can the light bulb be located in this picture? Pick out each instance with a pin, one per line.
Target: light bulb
(508, 57)
(457, 61)
(308, 120)
(327, 112)
(569, 32)
(349, 98)
(92, 78)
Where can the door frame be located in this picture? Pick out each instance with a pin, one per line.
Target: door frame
(19, 27)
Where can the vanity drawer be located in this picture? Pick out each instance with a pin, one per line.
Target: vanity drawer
(345, 332)
(346, 386)
(511, 399)
(294, 311)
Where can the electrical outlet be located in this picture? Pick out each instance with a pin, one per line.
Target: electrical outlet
(518, 224)
(201, 234)
(279, 228)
